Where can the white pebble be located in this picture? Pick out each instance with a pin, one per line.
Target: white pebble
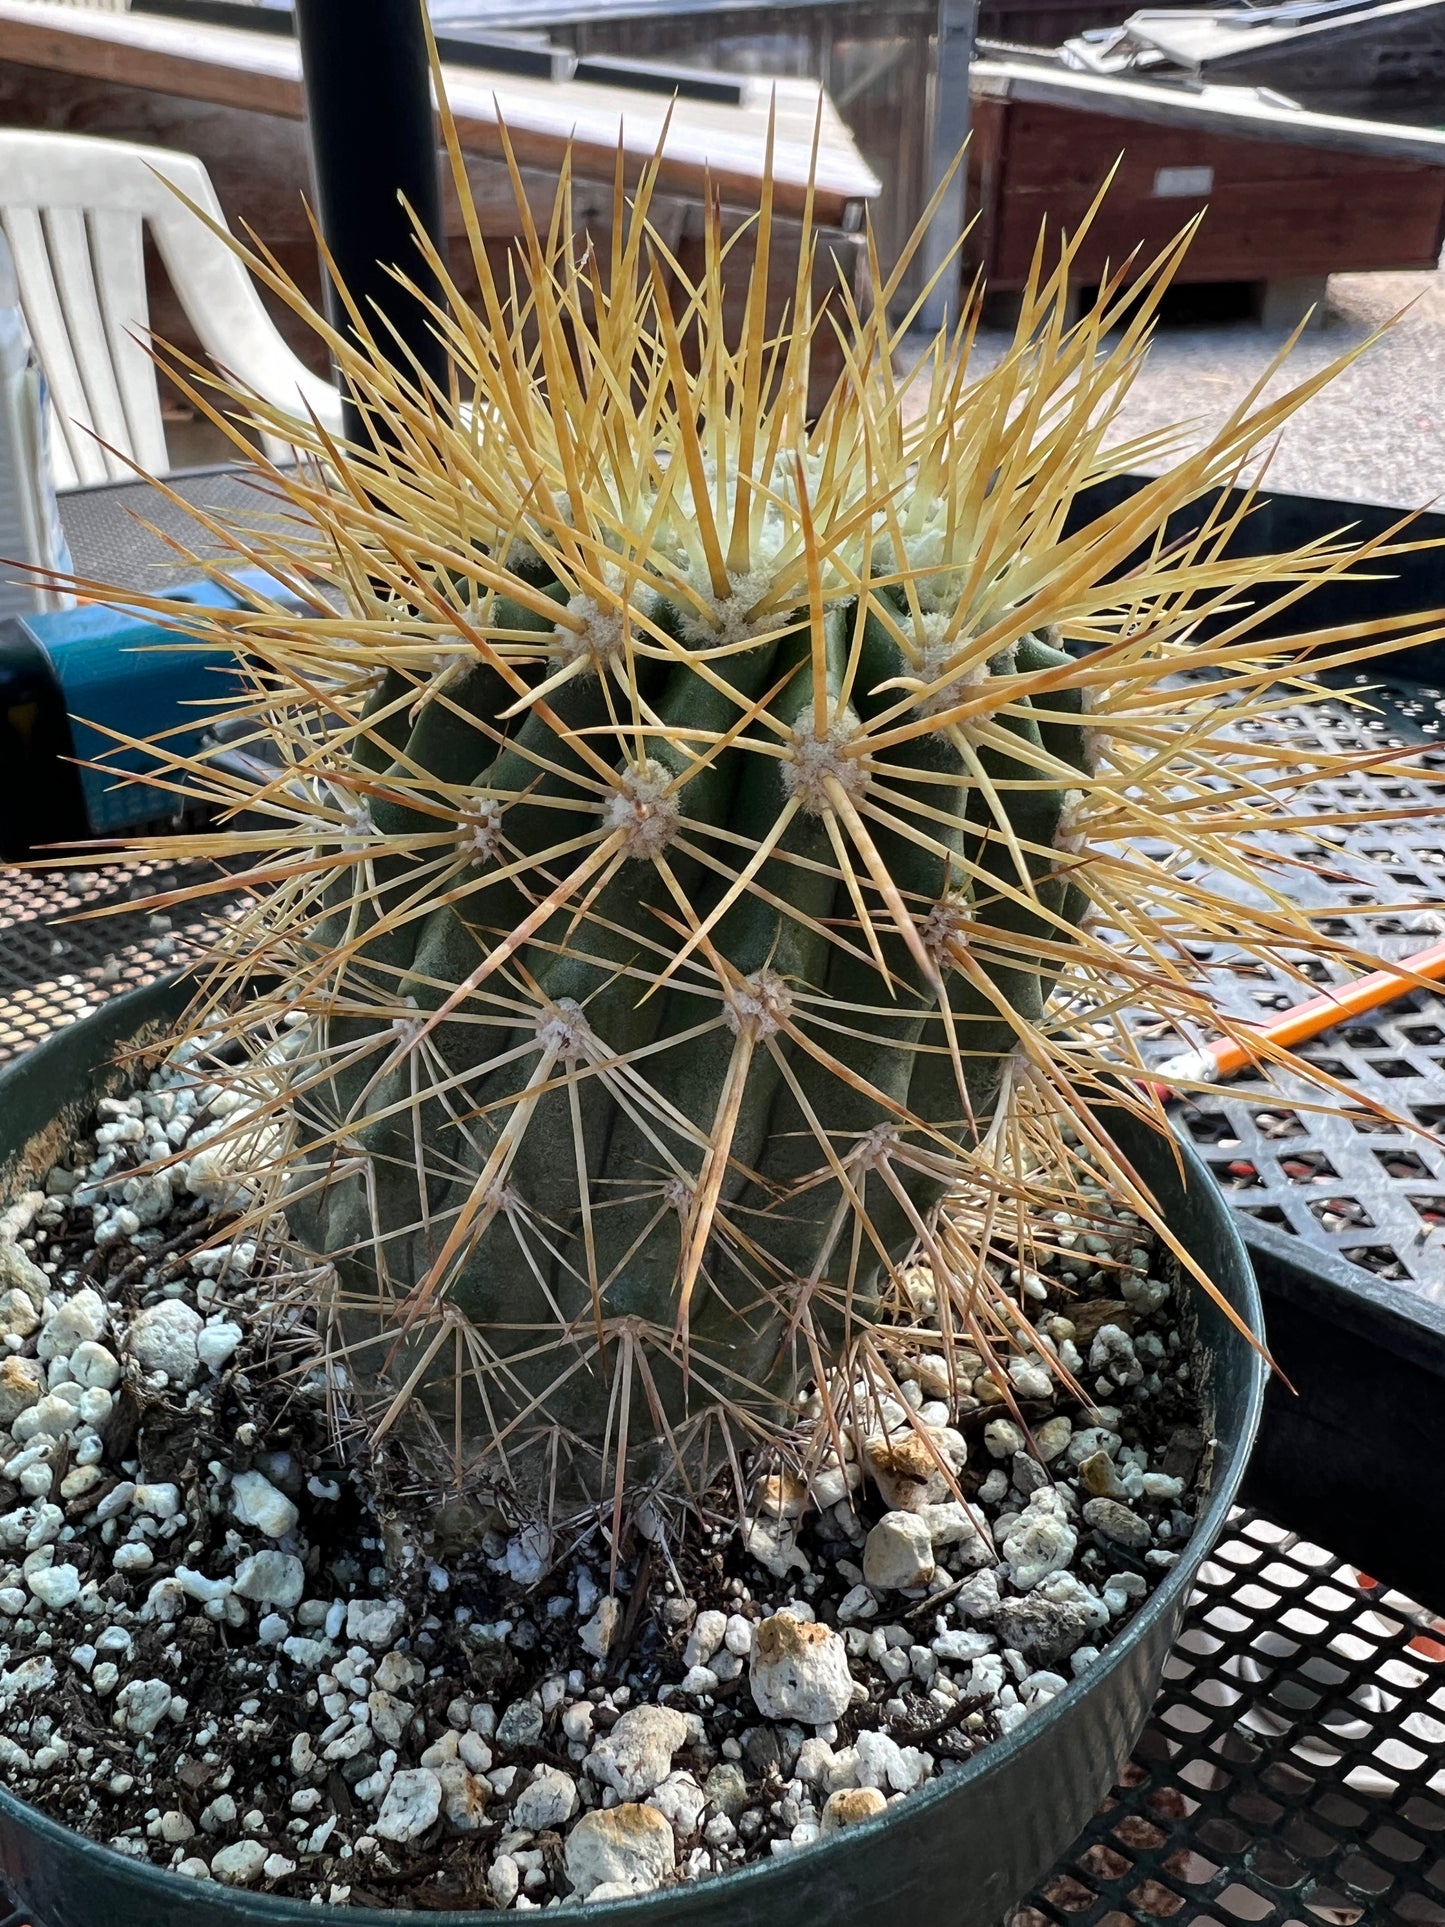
(374, 1622)
(799, 1671)
(256, 1502)
(163, 1339)
(217, 1343)
(883, 1763)
(197, 1585)
(240, 1865)
(79, 1318)
(18, 1316)
(638, 1752)
(739, 1635)
(597, 1634)
(115, 1501)
(272, 1579)
(1003, 1438)
(898, 1553)
(619, 1850)
(547, 1803)
(19, 1272)
(504, 1879)
(142, 1705)
(93, 1365)
(55, 1586)
(412, 1803)
(707, 1635)
(309, 1654)
(1040, 1541)
(22, 1385)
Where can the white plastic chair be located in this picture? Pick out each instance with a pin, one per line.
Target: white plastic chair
(74, 210)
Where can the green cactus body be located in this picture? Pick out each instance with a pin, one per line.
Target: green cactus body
(681, 830)
(784, 1019)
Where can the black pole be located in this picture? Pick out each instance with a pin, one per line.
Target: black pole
(373, 140)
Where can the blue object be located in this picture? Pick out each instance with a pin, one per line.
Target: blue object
(70, 678)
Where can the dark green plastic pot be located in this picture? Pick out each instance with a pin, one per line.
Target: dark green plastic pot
(959, 1853)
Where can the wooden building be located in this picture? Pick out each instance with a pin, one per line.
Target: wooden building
(1288, 196)
(233, 97)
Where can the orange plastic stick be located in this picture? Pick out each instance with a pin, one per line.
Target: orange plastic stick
(1225, 1057)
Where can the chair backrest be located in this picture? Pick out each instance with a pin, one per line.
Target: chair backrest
(75, 210)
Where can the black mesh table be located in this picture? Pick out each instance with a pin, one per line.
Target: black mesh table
(1293, 1773)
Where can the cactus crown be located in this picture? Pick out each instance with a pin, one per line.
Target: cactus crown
(702, 836)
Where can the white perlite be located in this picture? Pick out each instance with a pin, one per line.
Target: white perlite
(549, 1801)
(708, 1632)
(597, 1635)
(18, 1316)
(883, 1763)
(1042, 1541)
(638, 1752)
(164, 1340)
(19, 1272)
(256, 1502)
(626, 1849)
(850, 1805)
(374, 1622)
(142, 1705)
(240, 1865)
(898, 1553)
(55, 1586)
(799, 1671)
(412, 1803)
(93, 1366)
(22, 1384)
(680, 1799)
(272, 1579)
(504, 1878)
(81, 1317)
(1117, 1522)
(217, 1343)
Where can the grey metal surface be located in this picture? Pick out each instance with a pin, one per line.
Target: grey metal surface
(57, 962)
(118, 531)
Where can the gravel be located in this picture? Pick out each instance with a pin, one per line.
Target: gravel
(1375, 434)
(209, 1660)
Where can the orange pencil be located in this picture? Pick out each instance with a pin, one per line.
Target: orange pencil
(1225, 1057)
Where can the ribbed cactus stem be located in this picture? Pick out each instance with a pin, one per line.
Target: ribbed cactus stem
(682, 829)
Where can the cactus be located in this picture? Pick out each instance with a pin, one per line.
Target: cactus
(702, 836)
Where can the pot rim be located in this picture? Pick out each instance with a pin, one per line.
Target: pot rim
(758, 1879)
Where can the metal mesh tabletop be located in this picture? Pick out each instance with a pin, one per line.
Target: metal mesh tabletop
(1293, 1773)
(57, 963)
(1371, 1192)
(118, 531)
